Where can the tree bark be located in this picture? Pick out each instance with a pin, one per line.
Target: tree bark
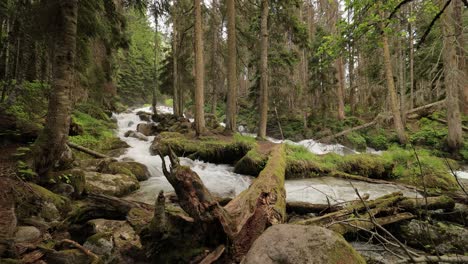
(231, 110)
(199, 72)
(397, 121)
(214, 60)
(340, 88)
(175, 64)
(156, 51)
(411, 58)
(452, 80)
(462, 59)
(51, 141)
(263, 71)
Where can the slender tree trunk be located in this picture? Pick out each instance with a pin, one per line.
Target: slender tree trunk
(52, 140)
(263, 70)
(175, 70)
(156, 63)
(231, 111)
(340, 88)
(452, 80)
(411, 58)
(214, 60)
(462, 58)
(402, 81)
(400, 129)
(199, 72)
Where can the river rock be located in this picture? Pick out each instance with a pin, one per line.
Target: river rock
(136, 169)
(135, 134)
(49, 212)
(294, 244)
(71, 182)
(147, 129)
(112, 238)
(67, 256)
(441, 237)
(110, 184)
(27, 234)
(144, 116)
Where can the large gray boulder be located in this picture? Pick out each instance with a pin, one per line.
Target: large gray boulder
(296, 244)
(27, 234)
(110, 184)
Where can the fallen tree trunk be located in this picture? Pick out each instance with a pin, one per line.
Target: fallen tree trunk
(261, 205)
(357, 224)
(431, 203)
(87, 151)
(445, 122)
(307, 208)
(377, 119)
(245, 217)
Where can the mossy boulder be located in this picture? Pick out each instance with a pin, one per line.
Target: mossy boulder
(75, 177)
(110, 184)
(301, 244)
(43, 195)
(440, 237)
(67, 256)
(136, 169)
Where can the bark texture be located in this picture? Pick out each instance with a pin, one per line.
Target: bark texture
(231, 111)
(452, 80)
(199, 71)
(263, 71)
(51, 142)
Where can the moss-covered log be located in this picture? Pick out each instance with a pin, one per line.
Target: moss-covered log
(261, 205)
(209, 149)
(431, 203)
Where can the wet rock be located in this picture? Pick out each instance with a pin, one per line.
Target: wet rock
(111, 184)
(74, 178)
(136, 135)
(27, 234)
(68, 256)
(301, 244)
(112, 238)
(130, 123)
(440, 237)
(66, 159)
(63, 189)
(132, 168)
(147, 129)
(101, 244)
(144, 116)
(43, 195)
(49, 212)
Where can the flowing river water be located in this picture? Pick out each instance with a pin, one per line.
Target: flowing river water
(221, 180)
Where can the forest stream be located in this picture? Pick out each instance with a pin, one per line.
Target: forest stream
(221, 180)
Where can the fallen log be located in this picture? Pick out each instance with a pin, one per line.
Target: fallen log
(87, 151)
(354, 225)
(437, 259)
(307, 208)
(464, 128)
(261, 205)
(213, 256)
(377, 119)
(429, 203)
(245, 217)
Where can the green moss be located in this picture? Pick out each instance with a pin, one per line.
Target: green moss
(252, 163)
(367, 165)
(355, 141)
(62, 203)
(344, 253)
(208, 149)
(135, 169)
(434, 170)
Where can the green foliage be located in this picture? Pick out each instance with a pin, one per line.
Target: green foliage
(25, 172)
(96, 131)
(356, 141)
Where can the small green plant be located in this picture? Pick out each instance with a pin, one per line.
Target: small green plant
(66, 178)
(25, 172)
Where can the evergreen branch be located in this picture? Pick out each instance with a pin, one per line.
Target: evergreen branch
(428, 30)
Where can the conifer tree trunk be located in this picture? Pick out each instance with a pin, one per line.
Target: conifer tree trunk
(452, 80)
(199, 71)
(52, 141)
(231, 111)
(462, 59)
(214, 59)
(263, 70)
(340, 88)
(175, 73)
(394, 102)
(156, 51)
(411, 58)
